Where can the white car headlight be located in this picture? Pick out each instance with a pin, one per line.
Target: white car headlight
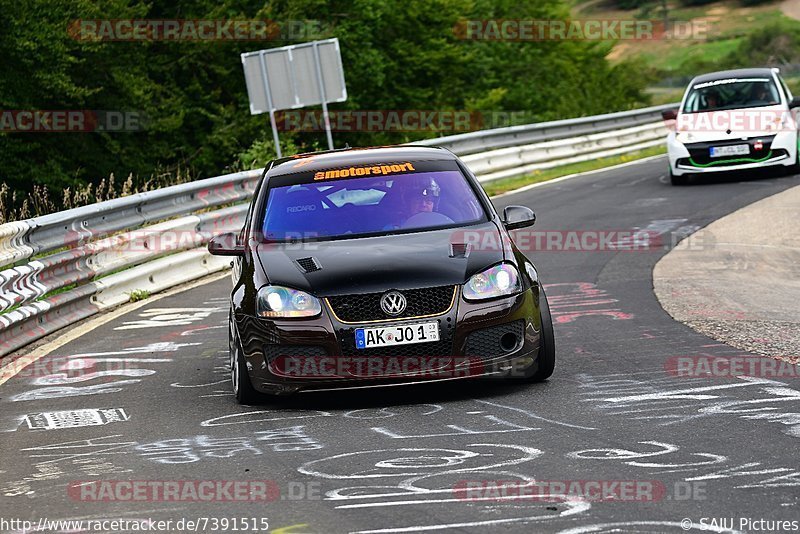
(497, 281)
(279, 301)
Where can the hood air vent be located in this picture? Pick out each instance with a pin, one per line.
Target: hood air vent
(309, 265)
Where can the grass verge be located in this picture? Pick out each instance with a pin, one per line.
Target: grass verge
(509, 184)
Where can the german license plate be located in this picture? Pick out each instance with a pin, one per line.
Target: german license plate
(387, 336)
(730, 150)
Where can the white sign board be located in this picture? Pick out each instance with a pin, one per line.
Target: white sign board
(295, 76)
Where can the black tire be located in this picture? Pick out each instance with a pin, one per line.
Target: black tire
(547, 343)
(240, 381)
(678, 180)
(794, 169)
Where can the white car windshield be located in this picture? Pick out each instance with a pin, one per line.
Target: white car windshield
(733, 93)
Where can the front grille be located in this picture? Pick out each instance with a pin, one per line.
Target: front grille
(367, 307)
(437, 349)
(486, 343)
(271, 352)
(728, 162)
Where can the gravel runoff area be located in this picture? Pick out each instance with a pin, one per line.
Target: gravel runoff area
(738, 279)
(791, 8)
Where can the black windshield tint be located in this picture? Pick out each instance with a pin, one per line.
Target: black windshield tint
(732, 94)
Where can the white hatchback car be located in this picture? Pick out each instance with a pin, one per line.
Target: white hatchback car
(733, 120)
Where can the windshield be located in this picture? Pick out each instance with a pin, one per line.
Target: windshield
(354, 207)
(735, 93)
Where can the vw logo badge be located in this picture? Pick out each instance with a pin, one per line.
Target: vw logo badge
(393, 303)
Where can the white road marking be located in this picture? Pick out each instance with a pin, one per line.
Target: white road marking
(14, 365)
(75, 418)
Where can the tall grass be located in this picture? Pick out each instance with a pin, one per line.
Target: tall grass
(17, 205)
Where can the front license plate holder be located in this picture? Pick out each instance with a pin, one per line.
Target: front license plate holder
(402, 334)
(729, 150)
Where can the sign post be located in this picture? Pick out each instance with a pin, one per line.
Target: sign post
(269, 104)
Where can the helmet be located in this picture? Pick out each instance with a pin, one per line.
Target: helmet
(761, 88)
(712, 93)
(421, 186)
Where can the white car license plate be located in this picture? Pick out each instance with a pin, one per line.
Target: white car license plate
(387, 336)
(731, 150)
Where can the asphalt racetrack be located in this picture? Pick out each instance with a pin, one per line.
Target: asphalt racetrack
(616, 440)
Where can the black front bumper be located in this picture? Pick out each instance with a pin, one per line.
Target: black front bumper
(475, 341)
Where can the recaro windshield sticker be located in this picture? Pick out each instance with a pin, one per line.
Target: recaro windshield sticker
(372, 170)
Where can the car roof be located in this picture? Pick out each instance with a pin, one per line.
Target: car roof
(736, 73)
(314, 161)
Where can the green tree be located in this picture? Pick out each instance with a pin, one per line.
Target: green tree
(397, 56)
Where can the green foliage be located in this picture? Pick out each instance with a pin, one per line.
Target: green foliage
(413, 58)
(771, 45)
(138, 294)
(261, 152)
(192, 94)
(397, 56)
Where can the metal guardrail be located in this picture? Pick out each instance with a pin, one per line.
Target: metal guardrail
(520, 160)
(512, 136)
(82, 248)
(66, 266)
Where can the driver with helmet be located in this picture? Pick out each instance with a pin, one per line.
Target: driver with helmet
(419, 202)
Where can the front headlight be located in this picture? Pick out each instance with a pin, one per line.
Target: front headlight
(497, 281)
(278, 301)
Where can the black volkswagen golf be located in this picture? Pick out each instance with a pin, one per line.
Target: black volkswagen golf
(373, 267)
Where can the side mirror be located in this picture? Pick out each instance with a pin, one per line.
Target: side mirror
(225, 245)
(795, 103)
(515, 217)
(669, 114)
